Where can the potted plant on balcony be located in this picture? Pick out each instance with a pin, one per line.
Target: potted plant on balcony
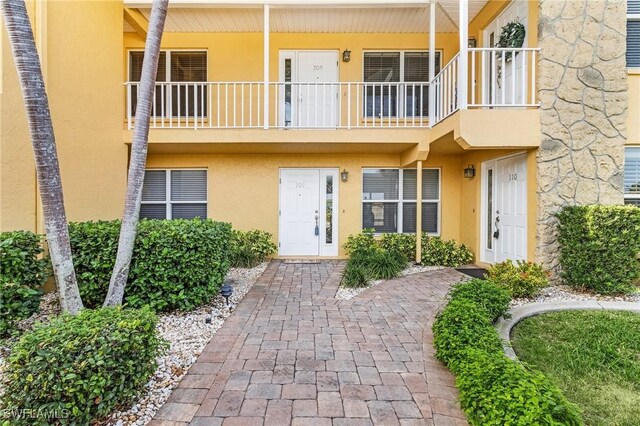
(511, 36)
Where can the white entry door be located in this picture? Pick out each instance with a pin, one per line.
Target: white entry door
(308, 212)
(311, 100)
(504, 85)
(504, 209)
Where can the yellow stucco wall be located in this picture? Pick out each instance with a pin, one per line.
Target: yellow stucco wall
(17, 171)
(244, 189)
(81, 49)
(239, 56)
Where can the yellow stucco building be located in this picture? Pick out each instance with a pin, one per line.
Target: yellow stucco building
(314, 120)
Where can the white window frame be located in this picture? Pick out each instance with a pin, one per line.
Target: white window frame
(401, 113)
(400, 201)
(630, 196)
(167, 202)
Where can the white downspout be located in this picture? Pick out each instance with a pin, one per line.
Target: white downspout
(463, 72)
(266, 66)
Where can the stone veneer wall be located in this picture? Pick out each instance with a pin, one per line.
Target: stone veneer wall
(582, 88)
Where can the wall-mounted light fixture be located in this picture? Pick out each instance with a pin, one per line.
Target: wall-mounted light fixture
(470, 171)
(346, 55)
(471, 42)
(344, 176)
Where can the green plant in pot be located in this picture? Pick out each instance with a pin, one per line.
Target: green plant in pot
(511, 37)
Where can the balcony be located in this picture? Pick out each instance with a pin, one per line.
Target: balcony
(496, 78)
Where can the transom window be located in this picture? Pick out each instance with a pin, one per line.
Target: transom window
(389, 200)
(633, 33)
(398, 83)
(632, 175)
(178, 93)
(174, 194)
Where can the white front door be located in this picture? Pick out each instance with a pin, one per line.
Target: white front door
(505, 78)
(504, 209)
(308, 212)
(312, 98)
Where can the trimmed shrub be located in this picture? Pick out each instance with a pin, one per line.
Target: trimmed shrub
(361, 243)
(495, 390)
(401, 243)
(250, 248)
(463, 324)
(23, 271)
(177, 264)
(524, 279)
(486, 294)
(599, 247)
(438, 252)
(83, 365)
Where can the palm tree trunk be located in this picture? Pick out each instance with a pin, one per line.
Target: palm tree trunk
(138, 161)
(36, 105)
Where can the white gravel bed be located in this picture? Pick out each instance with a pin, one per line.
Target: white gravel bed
(345, 293)
(187, 333)
(561, 293)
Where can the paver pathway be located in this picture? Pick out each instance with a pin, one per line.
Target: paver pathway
(293, 354)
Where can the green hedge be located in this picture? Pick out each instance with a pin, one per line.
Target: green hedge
(176, 264)
(599, 247)
(377, 264)
(23, 271)
(82, 367)
(494, 390)
(250, 248)
(435, 251)
(523, 279)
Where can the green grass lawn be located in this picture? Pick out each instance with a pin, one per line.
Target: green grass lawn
(593, 356)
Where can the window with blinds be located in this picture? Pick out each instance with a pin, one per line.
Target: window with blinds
(396, 86)
(174, 194)
(632, 175)
(633, 33)
(389, 200)
(184, 68)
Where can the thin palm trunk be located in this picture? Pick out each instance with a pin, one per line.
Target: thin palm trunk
(138, 161)
(36, 105)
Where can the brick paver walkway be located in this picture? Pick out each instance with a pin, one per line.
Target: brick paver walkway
(292, 354)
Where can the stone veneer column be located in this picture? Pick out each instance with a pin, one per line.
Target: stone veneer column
(582, 88)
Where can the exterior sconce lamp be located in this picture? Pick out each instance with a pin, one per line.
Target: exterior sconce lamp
(226, 291)
(471, 42)
(470, 171)
(344, 176)
(346, 55)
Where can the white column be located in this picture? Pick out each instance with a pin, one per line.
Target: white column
(432, 62)
(419, 211)
(463, 72)
(266, 66)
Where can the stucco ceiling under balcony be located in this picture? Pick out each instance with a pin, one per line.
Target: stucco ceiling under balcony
(318, 16)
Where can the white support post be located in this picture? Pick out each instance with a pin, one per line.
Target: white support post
(432, 62)
(419, 211)
(463, 72)
(266, 67)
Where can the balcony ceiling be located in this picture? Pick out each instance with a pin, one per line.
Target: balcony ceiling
(320, 16)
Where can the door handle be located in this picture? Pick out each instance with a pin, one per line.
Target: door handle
(496, 233)
(317, 228)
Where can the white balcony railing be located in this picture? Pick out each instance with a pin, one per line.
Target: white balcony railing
(503, 77)
(233, 105)
(499, 78)
(446, 90)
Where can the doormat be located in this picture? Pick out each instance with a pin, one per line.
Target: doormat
(301, 261)
(473, 272)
